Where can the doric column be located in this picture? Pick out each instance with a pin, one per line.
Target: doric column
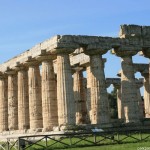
(146, 53)
(12, 100)
(129, 97)
(99, 98)
(79, 95)
(23, 98)
(146, 95)
(35, 99)
(65, 96)
(49, 93)
(3, 103)
(88, 74)
(119, 102)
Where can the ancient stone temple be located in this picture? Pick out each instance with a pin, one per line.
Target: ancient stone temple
(44, 87)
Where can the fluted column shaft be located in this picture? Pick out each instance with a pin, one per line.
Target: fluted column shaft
(49, 95)
(23, 99)
(146, 53)
(12, 101)
(35, 99)
(88, 72)
(3, 103)
(65, 96)
(146, 95)
(129, 90)
(99, 97)
(79, 95)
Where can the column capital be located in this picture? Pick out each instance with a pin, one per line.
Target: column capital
(3, 75)
(10, 71)
(97, 49)
(31, 62)
(20, 67)
(77, 68)
(126, 50)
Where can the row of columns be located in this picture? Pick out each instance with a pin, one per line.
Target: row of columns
(44, 102)
(32, 106)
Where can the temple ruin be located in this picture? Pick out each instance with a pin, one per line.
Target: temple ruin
(44, 87)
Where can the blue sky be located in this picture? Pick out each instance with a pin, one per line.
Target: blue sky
(24, 23)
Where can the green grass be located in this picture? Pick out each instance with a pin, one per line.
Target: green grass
(108, 144)
(129, 146)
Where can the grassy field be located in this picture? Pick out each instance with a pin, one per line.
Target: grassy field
(107, 144)
(88, 142)
(129, 146)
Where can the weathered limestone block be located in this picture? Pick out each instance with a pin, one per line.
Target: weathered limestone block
(146, 95)
(80, 96)
(23, 99)
(49, 94)
(88, 72)
(99, 97)
(12, 101)
(65, 96)
(35, 99)
(130, 30)
(129, 97)
(3, 103)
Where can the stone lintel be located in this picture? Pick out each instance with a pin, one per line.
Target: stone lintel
(126, 50)
(117, 81)
(142, 68)
(46, 57)
(113, 81)
(80, 59)
(62, 51)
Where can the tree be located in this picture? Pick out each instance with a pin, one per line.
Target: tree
(112, 97)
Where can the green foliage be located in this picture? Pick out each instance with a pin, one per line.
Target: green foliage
(112, 97)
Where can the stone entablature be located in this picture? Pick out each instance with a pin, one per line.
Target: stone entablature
(128, 36)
